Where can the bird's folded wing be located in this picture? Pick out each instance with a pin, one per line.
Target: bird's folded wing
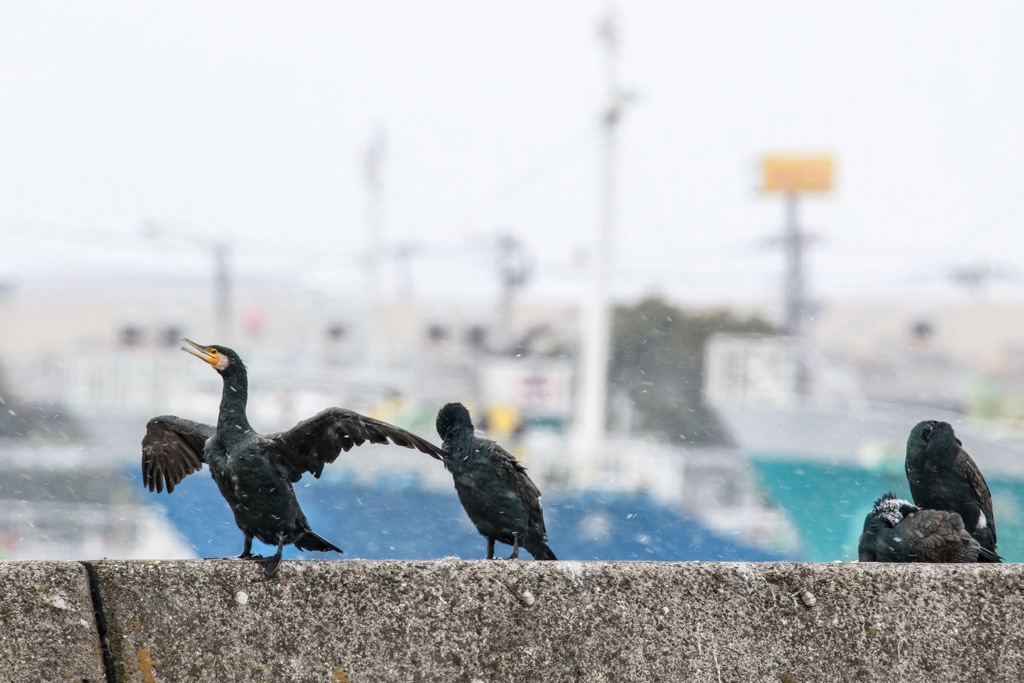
(932, 528)
(172, 449)
(315, 442)
(969, 472)
(525, 490)
(939, 535)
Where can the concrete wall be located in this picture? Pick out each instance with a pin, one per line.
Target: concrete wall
(48, 626)
(449, 620)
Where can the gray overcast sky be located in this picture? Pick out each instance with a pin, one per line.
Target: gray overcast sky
(248, 120)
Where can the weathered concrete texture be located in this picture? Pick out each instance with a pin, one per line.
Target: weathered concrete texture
(48, 624)
(449, 620)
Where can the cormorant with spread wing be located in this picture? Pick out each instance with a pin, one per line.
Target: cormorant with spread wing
(500, 499)
(255, 472)
(943, 476)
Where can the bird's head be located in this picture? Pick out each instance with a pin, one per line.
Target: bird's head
(923, 430)
(934, 436)
(451, 418)
(891, 510)
(887, 512)
(220, 357)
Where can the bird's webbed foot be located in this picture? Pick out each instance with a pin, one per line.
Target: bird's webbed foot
(272, 563)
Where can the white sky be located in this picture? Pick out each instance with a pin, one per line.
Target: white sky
(248, 120)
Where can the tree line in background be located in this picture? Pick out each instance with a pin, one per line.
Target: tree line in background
(657, 364)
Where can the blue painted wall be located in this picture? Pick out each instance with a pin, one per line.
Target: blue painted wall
(827, 503)
(395, 519)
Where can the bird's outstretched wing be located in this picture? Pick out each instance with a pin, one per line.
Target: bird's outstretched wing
(965, 467)
(315, 442)
(172, 449)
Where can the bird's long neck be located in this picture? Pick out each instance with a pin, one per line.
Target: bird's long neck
(461, 438)
(233, 400)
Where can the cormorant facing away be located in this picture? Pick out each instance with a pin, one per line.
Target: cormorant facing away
(255, 472)
(493, 487)
(897, 531)
(942, 476)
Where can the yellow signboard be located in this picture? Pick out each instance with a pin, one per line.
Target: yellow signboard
(794, 173)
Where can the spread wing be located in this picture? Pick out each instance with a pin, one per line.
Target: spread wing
(938, 536)
(969, 472)
(315, 442)
(172, 449)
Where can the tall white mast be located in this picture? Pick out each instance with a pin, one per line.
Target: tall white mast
(373, 160)
(588, 434)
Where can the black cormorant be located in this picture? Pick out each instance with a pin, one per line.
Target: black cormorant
(493, 487)
(897, 531)
(942, 476)
(255, 472)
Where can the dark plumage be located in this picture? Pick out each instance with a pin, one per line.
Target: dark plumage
(493, 487)
(255, 472)
(942, 476)
(897, 531)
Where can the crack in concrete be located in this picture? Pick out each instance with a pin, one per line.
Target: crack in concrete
(101, 620)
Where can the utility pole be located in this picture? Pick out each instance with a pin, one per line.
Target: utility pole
(222, 286)
(514, 268)
(588, 434)
(793, 243)
(222, 309)
(373, 160)
(793, 175)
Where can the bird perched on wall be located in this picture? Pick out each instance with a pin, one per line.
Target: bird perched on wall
(255, 472)
(942, 476)
(500, 499)
(897, 531)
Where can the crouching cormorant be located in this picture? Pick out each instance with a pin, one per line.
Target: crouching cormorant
(942, 476)
(493, 487)
(897, 531)
(255, 472)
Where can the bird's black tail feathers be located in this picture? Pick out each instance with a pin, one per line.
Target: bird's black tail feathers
(986, 555)
(311, 541)
(541, 551)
